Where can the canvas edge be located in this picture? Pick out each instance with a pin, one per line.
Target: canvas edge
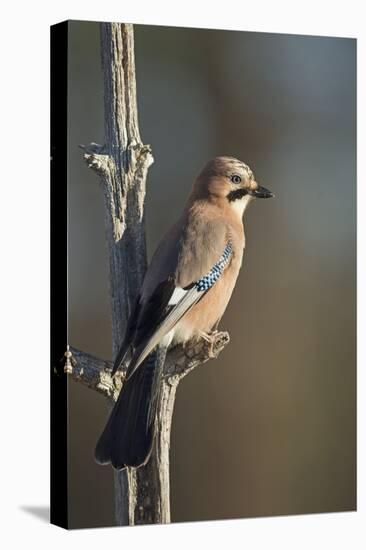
(58, 241)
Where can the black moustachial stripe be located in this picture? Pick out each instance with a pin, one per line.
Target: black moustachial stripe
(236, 194)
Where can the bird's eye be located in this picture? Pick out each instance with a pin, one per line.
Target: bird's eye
(235, 179)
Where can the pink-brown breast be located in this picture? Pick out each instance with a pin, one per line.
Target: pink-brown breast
(209, 310)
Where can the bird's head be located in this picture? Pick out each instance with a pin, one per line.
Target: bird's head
(229, 181)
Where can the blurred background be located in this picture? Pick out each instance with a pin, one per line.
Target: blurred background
(268, 428)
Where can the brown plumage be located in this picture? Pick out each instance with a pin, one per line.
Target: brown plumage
(184, 295)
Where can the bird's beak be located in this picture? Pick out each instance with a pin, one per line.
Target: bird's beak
(261, 193)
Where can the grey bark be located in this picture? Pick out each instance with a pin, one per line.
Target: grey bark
(141, 495)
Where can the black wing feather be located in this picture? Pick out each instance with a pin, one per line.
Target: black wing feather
(144, 319)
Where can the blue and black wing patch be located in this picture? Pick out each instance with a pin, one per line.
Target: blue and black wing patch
(208, 280)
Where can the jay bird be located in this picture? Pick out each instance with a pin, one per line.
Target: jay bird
(184, 294)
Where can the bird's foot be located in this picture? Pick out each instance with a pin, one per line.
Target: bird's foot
(210, 338)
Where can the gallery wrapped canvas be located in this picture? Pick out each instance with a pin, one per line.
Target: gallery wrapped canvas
(203, 203)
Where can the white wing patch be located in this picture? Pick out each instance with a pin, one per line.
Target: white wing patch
(177, 295)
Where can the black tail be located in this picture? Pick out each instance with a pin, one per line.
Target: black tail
(128, 436)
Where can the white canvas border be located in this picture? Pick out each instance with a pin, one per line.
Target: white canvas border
(25, 272)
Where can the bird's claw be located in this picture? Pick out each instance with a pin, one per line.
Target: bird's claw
(210, 338)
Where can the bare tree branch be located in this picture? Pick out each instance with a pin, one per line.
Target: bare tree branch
(122, 163)
(95, 373)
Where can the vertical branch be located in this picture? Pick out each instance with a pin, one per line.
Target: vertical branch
(151, 501)
(122, 162)
(125, 162)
